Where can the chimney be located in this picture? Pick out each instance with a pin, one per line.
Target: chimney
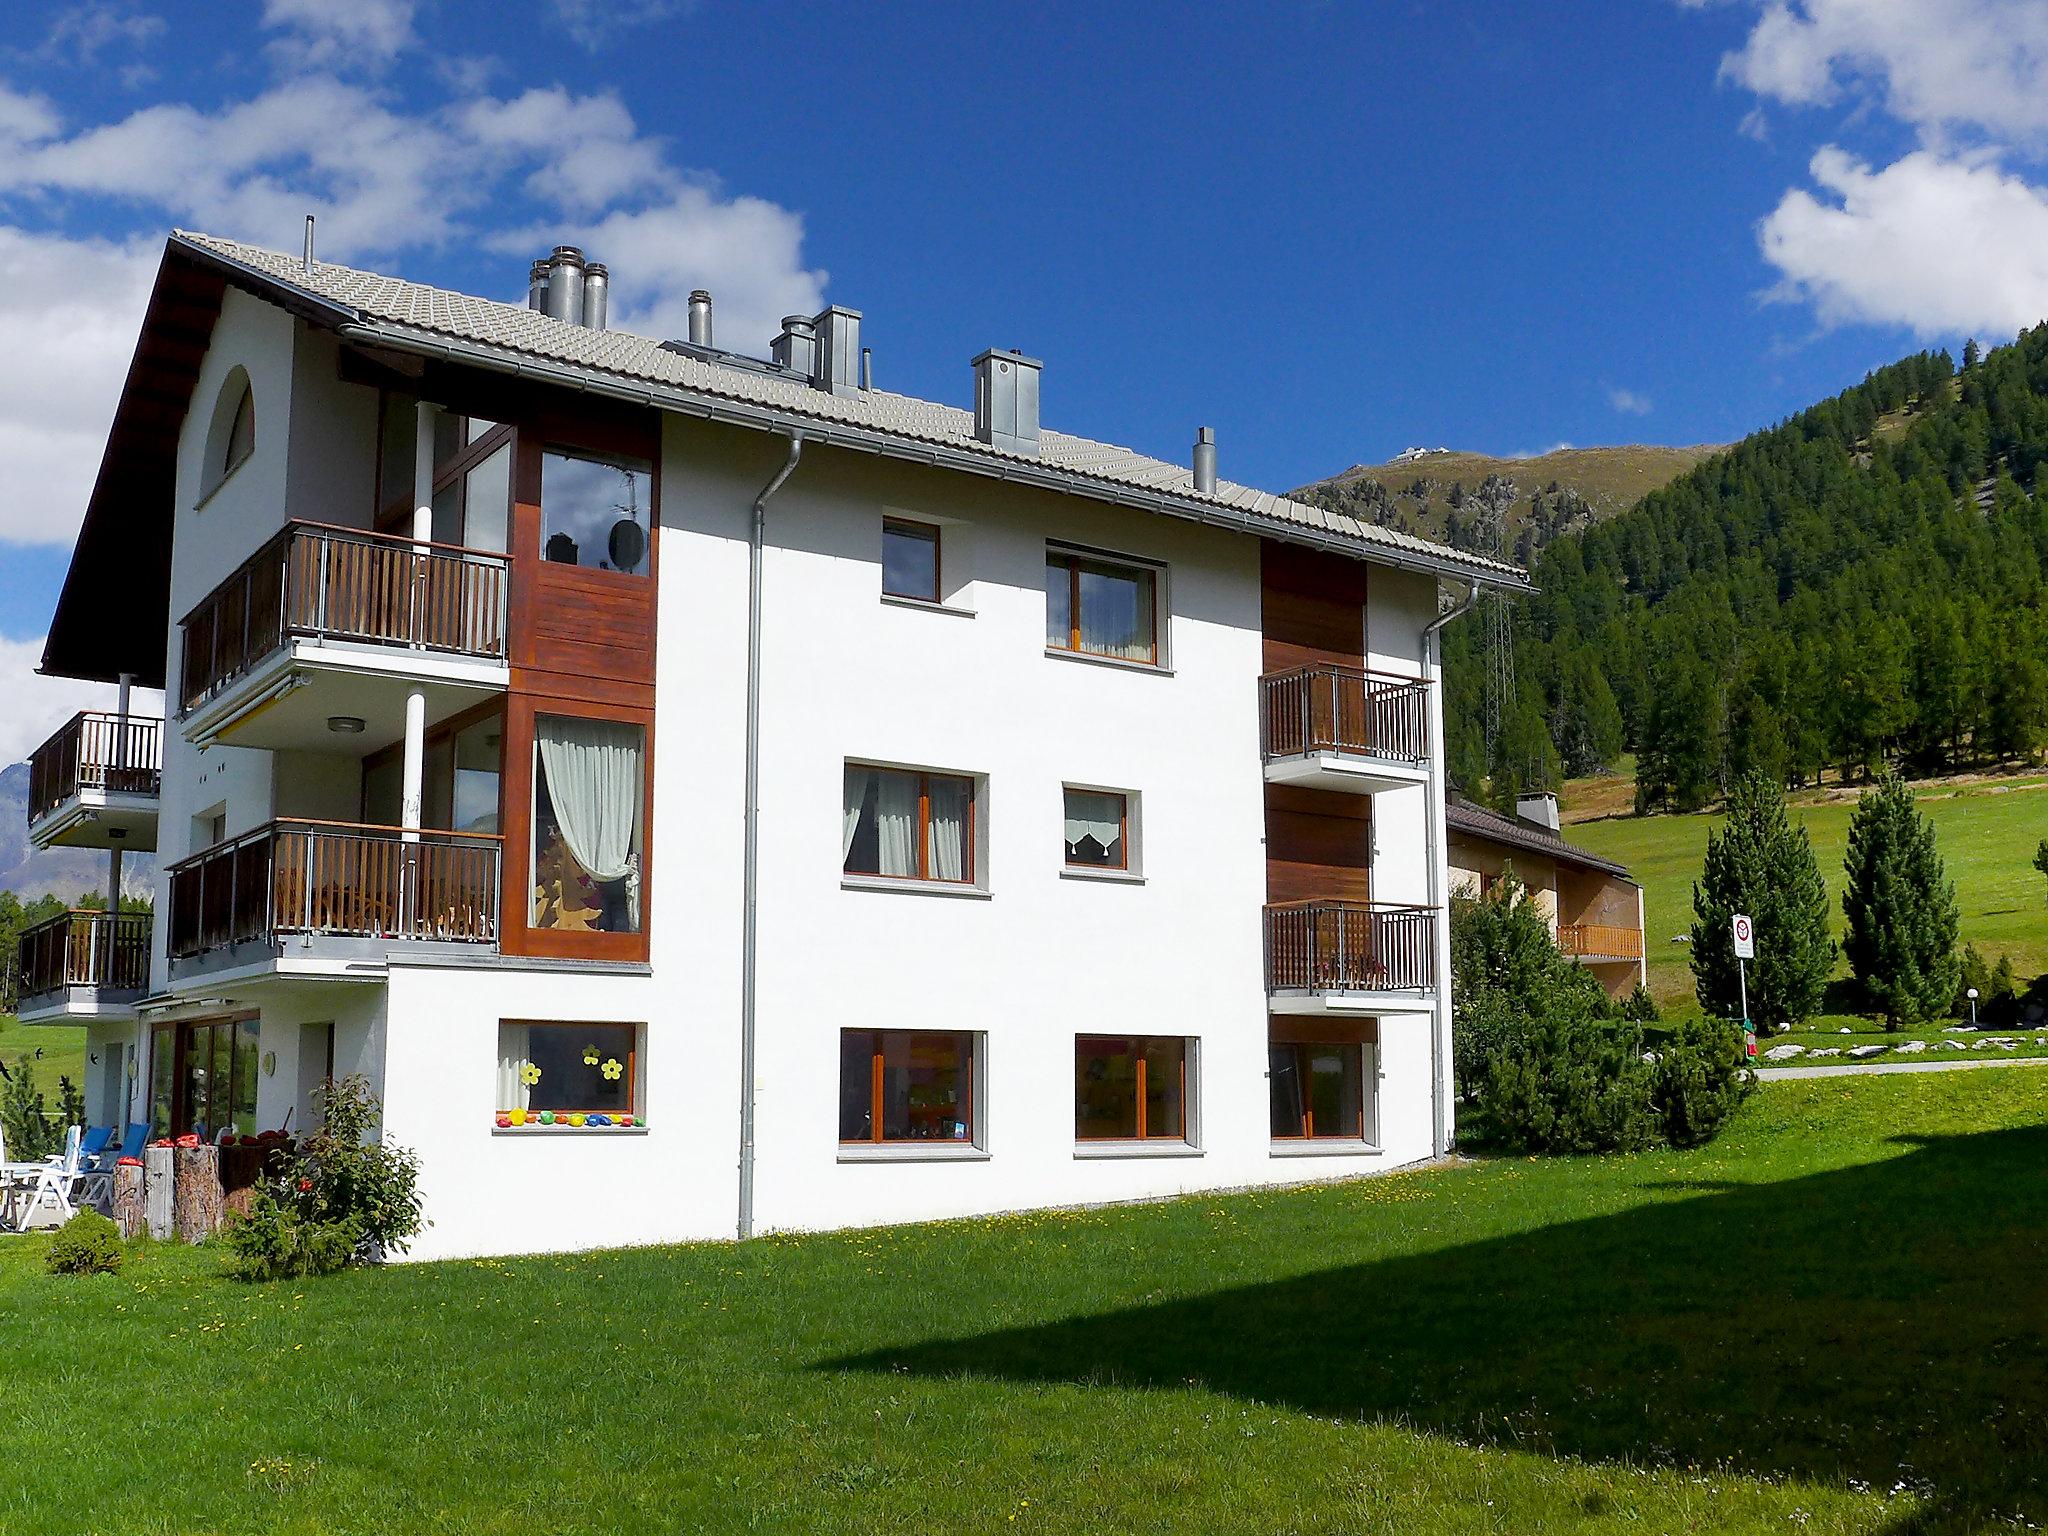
(597, 287)
(537, 287)
(700, 318)
(565, 284)
(1205, 461)
(797, 347)
(1006, 401)
(838, 354)
(1537, 811)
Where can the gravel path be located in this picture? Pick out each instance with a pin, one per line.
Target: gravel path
(1873, 1068)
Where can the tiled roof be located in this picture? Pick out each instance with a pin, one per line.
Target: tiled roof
(404, 311)
(1477, 821)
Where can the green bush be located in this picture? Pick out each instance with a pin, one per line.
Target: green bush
(1702, 1074)
(31, 1134)
(344, 1197)
(87, 1244)
(1572, 1080)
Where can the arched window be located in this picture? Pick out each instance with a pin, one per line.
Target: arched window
(232, 437)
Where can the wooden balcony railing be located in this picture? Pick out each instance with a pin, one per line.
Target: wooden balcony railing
(336, 879)
(96, 751)
(1349, 946)
(1344, 709)
(1600, 941)
(319, 582)
(86, 949)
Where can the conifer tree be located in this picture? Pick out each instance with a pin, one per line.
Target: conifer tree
(1762, 864)
(1900, 906)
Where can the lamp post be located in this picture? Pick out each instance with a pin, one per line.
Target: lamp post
(1972, 995)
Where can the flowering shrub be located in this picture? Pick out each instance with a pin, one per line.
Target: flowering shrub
(345, 1196)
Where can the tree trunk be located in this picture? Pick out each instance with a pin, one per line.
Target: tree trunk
(198, 1193)
(130, 1203)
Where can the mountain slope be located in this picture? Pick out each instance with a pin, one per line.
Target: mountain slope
(1437, 493)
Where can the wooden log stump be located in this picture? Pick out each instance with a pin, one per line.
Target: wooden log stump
(158, 1188)
(130, 1204)
(198, 1194)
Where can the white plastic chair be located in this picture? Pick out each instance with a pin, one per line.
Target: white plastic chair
(16, 1180)
(54, 1182)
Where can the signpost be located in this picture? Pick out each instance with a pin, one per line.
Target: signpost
(1745, 951)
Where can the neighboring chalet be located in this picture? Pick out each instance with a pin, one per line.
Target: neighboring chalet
(1595, 911)
(705, 793)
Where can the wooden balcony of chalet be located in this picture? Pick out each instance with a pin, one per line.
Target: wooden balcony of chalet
(95, 783)
(1324, 726)
(82, 965)
(1350, 957)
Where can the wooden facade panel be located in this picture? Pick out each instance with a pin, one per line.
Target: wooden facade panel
(1312, 607)
(1318, 845)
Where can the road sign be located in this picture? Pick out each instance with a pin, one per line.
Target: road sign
(1745, 937)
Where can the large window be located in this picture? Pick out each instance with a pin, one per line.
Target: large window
(1130, 1088)
(1324, 1090)
(568, 1072)
(1098, 826)
(905, 824)
(1100, 607)
(588, 810)
(596, 512)
(910, 560)
(202, 1078)
(896, 1085)
(231, 436)
(459, 778)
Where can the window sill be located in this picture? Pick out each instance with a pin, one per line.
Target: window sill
(912, 1152)
(1061, 653)
(1110, 876)
(568, 1130)
(1150, 1148)
(221, 484)
(912, 887)
(927, 605)
(1334, 1147)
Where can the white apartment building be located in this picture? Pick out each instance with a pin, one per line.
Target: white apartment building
(706, 794)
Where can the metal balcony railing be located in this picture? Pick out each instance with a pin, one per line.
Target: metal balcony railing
(320, 582)
(86, 949)
(96, 751)
(1349, 946)
(336, 879)
(1324, 708)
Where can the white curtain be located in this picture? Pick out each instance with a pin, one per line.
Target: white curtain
(947, 840)
(512, 1059)
(594, 783)
(1116, 613)
(1093, 815)
(896, 822)
(858, 782)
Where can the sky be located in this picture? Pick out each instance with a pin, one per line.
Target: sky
(1328, 230)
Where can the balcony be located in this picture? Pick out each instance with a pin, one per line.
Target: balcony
(344, 895)
(84, 965)
(323, 631)
(1599, 943)
(1344, 728)
(94, 784)
(1349, 957)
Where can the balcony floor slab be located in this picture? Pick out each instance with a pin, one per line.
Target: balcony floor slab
(1351, 1004)
(285, 702)
(79, 1005)
(1346, 772)
(95, 818)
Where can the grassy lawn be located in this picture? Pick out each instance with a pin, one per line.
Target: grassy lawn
(1987, 834)
(1827, 1321)
(62, 1047)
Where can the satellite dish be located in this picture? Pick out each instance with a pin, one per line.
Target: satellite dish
(627, 545)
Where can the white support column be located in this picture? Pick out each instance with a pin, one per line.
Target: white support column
(416, 701)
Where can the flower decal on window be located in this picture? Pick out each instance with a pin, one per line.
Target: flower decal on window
(612, 1071)
(590, 1055)
(529, 1074)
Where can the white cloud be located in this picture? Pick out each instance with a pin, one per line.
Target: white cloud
(327, 34)
(1937, 65)
(594, 23)
(36, 706)
(83, 31)
(1629, 402)
(70, 311)
(1934, 244)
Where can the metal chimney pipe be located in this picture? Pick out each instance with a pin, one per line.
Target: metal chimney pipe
(306, 258)
(1205, 461)
(597, 287)
(700, 318)
(867, 367)
(565, 284)
(797, 347)
(537, 286)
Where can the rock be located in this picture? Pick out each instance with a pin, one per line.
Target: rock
(1826, 1050)
(1860, 1051)
(1953, 1045)
(1784, 1052)
(1843, 1030)
(1959, 1029)
(1912, 1047)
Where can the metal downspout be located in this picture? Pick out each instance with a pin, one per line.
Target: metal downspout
(1437, 840)
(750, 861)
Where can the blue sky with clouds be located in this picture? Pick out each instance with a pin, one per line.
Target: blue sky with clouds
(1329, 230)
